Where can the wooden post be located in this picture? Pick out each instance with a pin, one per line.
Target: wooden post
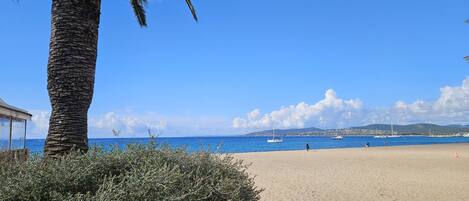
(25, 129)
(11, 132)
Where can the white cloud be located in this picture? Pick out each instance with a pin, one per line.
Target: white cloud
(331, 111)
(132, 124)
(453, 98)
(451, 107)
(126, 124)
(39, 124)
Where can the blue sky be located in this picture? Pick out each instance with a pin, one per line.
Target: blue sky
(381, 60)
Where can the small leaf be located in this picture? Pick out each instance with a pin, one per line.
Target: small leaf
(192, 8)
(139, 11)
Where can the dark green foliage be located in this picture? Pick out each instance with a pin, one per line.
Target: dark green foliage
(137, 173)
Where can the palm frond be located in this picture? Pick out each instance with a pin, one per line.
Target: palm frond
(466, 57)
(192, 8)
(139, 11)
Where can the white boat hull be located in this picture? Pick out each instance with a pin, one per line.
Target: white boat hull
(275, 141)
(338, 138)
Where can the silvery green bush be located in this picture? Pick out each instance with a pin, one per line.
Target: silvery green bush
(139, 172)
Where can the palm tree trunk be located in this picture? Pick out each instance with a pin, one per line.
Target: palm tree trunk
(71, 73)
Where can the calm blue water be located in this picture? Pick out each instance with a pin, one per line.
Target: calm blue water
(256, 144)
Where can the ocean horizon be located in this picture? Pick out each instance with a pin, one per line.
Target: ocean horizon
(241, 144)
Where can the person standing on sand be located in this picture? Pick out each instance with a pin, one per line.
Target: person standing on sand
(307, 147)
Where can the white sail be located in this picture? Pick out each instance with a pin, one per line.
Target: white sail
(392, 132)
(274, 139)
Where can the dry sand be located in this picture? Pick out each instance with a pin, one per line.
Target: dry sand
(414, 173)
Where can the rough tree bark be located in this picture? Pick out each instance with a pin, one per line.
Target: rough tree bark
(71, 73)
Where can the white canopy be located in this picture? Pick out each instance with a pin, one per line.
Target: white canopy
(14, 112)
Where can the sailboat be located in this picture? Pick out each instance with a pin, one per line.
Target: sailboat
(274, 139)
(388, 136)
(338, 137)
(392, 132)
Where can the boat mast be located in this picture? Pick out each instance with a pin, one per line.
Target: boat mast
(392, 129)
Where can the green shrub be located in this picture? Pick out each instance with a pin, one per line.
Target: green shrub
(136, 173)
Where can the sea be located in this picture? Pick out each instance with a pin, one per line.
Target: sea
(240, 144)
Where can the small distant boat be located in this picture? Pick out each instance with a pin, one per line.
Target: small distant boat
(388, 136)
(392, 132)
(339, 137)
(274, 139)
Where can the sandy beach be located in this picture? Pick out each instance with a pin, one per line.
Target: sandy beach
(413, 173)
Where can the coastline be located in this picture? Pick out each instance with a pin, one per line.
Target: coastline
(350, 148)
(259, 144)
(408, 172)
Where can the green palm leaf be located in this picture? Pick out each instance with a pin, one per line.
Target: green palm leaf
(467, 57)
(139, 11)
(191, 7)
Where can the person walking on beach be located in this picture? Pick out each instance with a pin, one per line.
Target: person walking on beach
(307, 147)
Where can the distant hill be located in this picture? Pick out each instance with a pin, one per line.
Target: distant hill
(417, 128)
(458, 125)
(287, 131)
(374, 129)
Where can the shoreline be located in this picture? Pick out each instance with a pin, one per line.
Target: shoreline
(230, 145)
(409, 172)
(347, 148)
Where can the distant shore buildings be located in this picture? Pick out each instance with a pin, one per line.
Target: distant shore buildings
(377, 130)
